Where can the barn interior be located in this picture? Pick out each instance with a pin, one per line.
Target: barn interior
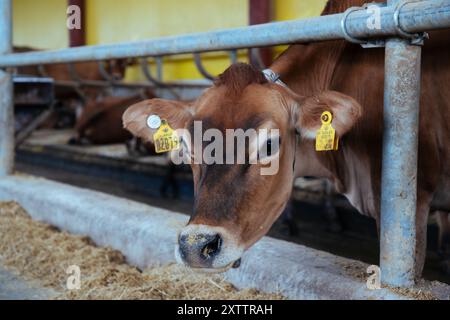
(68, 117)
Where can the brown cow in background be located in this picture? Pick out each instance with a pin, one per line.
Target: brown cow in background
(98, 118)
(100, 122)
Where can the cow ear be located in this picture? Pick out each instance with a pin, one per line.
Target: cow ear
(176, 113)
(345, 110)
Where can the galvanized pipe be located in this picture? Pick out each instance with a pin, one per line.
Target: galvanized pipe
(399, 164)
(6, 93)
(201, 68)
(419, 16)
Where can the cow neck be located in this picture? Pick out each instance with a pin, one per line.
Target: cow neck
(308, 69)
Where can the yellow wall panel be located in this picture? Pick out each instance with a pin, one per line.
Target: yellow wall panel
(112, 21)
(182, 67)
(297, 9)
(40, 23)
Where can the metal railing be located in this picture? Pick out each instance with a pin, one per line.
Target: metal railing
(399, 20)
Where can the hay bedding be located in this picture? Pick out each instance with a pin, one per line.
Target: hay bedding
(41, 253)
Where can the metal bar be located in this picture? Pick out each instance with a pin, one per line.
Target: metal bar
(419, 16)
(233, 56)
(121, 84)
(399, 164)
(201, 68)
(23, 134)
(256, 58)
(159, 68)
(6, 93)
(105, 74)
(145, 67)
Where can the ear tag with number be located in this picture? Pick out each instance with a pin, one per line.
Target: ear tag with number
(165, 138)
(326, 138)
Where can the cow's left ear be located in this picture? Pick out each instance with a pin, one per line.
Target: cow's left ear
(345, 110)
(135, 119)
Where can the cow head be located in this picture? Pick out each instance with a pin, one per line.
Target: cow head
(237, 203)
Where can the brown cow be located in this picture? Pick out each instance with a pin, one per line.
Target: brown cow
(235, 205)
(99, 122)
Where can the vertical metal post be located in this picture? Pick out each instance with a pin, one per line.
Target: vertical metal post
(6, 93)
(399, 164)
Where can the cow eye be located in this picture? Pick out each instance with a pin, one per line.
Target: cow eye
(269, 148)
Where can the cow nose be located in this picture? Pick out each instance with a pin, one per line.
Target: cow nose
(199, 250)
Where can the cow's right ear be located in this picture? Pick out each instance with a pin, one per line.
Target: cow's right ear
(176, 113)
(345, 111)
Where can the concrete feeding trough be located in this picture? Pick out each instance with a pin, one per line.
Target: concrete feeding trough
(146, 236)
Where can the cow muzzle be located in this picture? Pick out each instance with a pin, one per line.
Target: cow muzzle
(208, 248)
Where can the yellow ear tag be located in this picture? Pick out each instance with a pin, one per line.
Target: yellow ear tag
(165, 138)
(326, 138)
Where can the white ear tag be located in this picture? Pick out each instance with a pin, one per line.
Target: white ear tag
(154, 121)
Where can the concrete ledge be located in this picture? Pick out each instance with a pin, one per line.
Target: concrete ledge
(147, 235)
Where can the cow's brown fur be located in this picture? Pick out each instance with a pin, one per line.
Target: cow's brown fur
(236, 79)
